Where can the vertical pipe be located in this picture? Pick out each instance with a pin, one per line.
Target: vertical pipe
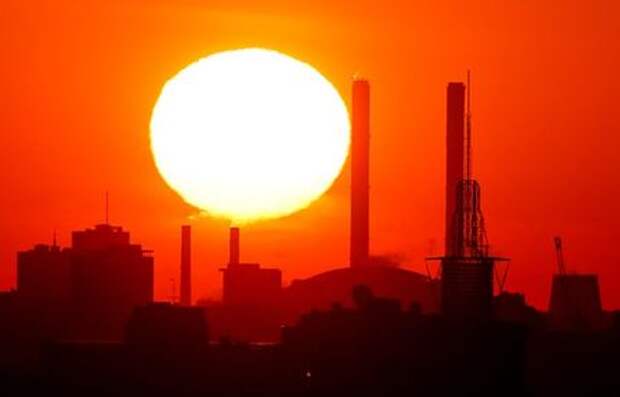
(186, 265)
(455, 135)
(233, 247)
(360, 153)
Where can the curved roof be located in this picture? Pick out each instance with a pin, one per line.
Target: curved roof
(334, 286)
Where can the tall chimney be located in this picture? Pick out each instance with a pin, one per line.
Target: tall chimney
(455, 136)
(360, 147)
(233, 258)
(186, 265)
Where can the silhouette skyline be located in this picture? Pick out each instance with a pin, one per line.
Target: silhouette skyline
(552, 69)
(466, 246)
(85, 316)
(86, 277)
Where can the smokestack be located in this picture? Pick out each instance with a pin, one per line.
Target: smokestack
(233, 258)
(360, 148)
(186, 265)
(455, 136)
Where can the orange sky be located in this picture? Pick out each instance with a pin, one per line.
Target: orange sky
(79, 81)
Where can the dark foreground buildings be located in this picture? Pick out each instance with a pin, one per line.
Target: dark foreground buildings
(375, 348)
(87, 291)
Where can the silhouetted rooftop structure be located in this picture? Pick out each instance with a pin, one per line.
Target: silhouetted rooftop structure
(324, 289)
(575, 303)
(93, 285)
(513, 308)
(44, 274)
(251, 300)
(247, 284)
(103, 236)
(467, 268)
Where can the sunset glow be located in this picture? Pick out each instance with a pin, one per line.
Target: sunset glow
(249, 134)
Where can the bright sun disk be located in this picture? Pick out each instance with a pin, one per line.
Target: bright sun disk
(249, 134)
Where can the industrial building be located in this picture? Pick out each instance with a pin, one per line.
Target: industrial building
(467, 268)
(247, 284)
(575, 302)
(387, 279)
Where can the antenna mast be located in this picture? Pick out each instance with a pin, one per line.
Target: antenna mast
(107, 208)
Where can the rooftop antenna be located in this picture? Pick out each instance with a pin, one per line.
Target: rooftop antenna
(107, 208)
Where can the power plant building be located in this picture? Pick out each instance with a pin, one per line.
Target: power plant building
(247, 284)
(467, 269)
(380, 273)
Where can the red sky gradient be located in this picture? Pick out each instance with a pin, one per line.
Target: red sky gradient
(79, 80)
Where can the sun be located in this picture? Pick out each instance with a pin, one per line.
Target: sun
(249, 134)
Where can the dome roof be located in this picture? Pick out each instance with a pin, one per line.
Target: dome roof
(321, 291)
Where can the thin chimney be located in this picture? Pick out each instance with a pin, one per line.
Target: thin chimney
(186, 265)
(455, 137)
(360, 153)
(234, 247)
